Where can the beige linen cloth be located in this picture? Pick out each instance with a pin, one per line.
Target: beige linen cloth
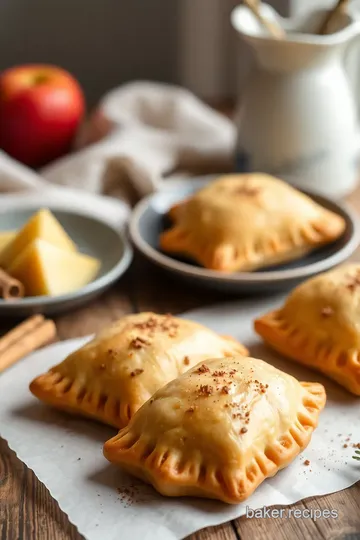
(140, 135)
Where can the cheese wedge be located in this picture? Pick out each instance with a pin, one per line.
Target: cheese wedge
(5, 238)
(45, 269)
(41, 225)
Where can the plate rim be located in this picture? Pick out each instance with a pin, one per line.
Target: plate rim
(168, 262)
(98, 284)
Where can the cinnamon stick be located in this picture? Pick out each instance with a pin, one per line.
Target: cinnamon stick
(10, 288)
(274, 29)
(330, 18)
(24, 339)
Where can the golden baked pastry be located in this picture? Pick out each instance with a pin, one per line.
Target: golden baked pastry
(319, 325)
(248, 221)
(113, 375)
(219, 430)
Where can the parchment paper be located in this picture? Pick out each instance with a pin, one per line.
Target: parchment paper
(105, 504)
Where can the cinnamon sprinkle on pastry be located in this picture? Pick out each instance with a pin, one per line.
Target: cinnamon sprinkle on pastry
(218, 373)
(203, 369)
(136, 372)
(354, 282)
(139, 343)
(186, 360)
(327, 311)
(243, 430)
(205, 390)
(248, 191)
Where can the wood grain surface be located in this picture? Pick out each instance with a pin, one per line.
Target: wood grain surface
(27, 510)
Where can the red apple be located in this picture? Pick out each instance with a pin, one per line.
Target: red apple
(41, 108)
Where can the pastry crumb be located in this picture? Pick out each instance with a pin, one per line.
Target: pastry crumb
(306, 462)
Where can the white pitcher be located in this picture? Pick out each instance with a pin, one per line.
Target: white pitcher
(298, 119)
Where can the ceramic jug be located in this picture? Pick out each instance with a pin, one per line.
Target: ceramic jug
(297, 117)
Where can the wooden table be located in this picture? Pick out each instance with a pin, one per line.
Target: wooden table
(28, 512)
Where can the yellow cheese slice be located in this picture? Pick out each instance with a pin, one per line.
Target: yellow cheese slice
(45, 269)
(5, 238)
(41, 225)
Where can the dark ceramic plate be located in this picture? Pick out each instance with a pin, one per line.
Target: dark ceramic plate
(149, 220)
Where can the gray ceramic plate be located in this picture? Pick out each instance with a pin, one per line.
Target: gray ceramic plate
(93, 237)
(149, 220)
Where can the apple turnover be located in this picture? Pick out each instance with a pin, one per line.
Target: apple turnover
(114, 374)
(319, 325)
(248, 221)
(219, 430)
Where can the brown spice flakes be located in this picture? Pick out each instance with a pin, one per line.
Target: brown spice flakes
(356, 445)
(190, 409)
(136, 372)
(186, 360)
(148, 324)
(130, 495)
(327, 311)
(218, 373)
(243, 430)
(139, 343)
(205, 390)
(354, 282)
(345, 445)
(167, 324)
(203, 369)
(247, 191)
(306, 462)
(225, 390)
